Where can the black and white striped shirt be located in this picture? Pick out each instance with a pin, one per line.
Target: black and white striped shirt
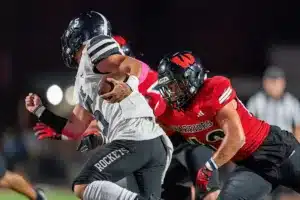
(101, 47)
(284, 112)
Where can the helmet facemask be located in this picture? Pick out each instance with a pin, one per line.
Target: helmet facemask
(175, 90)
(79, 31)
(179, 84)
(71, 43)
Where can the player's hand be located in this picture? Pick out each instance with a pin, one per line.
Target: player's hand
(32, 102)
(203, 177)
(42, 131)
(121, 91)
(91, 140)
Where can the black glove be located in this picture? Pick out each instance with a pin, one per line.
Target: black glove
(90, 141)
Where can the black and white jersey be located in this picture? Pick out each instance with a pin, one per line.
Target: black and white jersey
(132, 118)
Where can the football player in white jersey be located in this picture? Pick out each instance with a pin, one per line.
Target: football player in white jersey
(177, 171)
(131, 140)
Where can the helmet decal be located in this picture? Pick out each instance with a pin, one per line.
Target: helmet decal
(184, 60)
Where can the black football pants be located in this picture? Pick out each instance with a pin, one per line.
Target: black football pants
(275, 162)
(146, 160)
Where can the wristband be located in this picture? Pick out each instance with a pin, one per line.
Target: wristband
(39, 111)
(64, 137)
(133, 82)
(47, 117)
(211, 165)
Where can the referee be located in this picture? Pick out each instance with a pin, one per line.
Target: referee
(277, 107)
(274, 105)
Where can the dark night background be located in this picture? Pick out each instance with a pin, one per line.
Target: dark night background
(231, 37)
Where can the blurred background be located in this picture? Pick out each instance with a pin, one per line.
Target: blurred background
(239, 39)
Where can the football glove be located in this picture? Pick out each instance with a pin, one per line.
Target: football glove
(42, 131)
(91, 140)
(203, 177)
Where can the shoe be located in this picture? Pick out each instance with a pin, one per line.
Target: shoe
(40, 194)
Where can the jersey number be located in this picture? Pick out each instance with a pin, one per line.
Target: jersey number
(213, 136)
(98, 115)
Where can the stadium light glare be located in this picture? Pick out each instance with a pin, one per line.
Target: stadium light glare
(69, 95)
(54, 95)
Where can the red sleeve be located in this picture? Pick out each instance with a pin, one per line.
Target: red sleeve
(223, 93)
(157, 103)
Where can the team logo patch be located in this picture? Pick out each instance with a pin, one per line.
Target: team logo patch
(184, 60)
(200, 114)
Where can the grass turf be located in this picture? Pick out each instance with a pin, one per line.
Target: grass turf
(51, 195)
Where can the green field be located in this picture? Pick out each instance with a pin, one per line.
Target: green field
(52, 195)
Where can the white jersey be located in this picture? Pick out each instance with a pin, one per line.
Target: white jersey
(132, 118)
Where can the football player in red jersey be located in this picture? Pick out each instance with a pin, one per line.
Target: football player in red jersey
(207, 111)
(186, 158)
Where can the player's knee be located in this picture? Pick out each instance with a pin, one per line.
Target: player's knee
(197, 157)
(6, 179)
(79, 190)
(212, 195)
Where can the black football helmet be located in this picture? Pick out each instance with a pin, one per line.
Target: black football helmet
(125, 46)
(180, 76)
(81, 29)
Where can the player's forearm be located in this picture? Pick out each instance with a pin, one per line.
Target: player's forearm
(131, 66)
(74, 130)
(63, 126)
(49, 118)
(231, 144)
(70, 135)
(227, 151)
(78, 122)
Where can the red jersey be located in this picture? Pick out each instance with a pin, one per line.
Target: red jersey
(198, 124)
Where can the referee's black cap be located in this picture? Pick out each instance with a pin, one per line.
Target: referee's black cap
(274, 72)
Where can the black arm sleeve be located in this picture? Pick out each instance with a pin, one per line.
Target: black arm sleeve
(52, 120)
